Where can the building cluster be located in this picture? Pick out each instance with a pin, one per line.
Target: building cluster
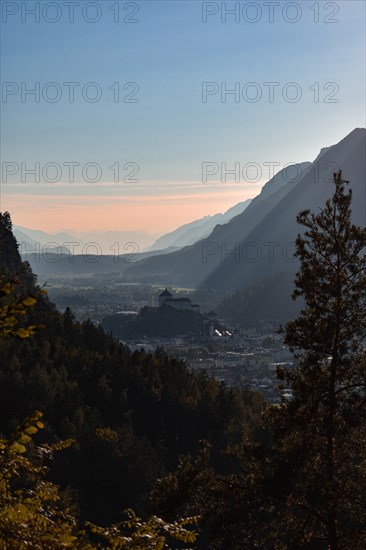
(212, 327)
(243, 362)
(166, 298)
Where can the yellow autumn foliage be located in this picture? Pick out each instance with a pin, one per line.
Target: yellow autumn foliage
(33, 515)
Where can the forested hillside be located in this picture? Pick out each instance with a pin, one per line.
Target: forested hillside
(131, 414)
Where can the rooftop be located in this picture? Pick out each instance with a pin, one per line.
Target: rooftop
(165, 293)
(178, 300)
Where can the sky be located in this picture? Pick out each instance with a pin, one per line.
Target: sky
(146, 115)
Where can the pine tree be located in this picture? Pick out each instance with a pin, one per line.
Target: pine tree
(320, 433)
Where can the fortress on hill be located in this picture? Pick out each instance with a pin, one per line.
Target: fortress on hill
(166, 298)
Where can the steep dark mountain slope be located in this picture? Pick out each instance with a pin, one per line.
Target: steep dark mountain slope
(259, 243)
(267, 285)
(199, 229)
(192, 265)
(268, 246)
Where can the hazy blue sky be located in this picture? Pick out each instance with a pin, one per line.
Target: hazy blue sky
(168, 131)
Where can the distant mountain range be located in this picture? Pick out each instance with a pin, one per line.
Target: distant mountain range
(192, 232)
(119, 242)
(257, 245)
(195, 263)
(30, 240)
(106, 242)
(109, 251)
(248, 255)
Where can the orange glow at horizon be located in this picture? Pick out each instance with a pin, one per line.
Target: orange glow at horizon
(153, 214)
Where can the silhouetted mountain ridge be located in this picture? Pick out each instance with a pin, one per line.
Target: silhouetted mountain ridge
(192, 232)
(259, 243)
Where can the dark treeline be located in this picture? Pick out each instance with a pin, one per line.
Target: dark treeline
(131, 414)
